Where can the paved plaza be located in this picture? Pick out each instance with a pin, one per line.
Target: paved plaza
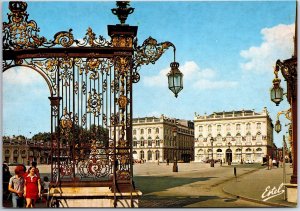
(197, 185)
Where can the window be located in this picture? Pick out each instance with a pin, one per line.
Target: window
(149, 155)
(142, 155)
(219, 128)
(134, 143)
(238, 127)
(142, 131)
(157, 130)
(258, 126)
(228, 127)
(142, 142)
(200, 128)
(149, 131)
(209, 128)
(156, 155)
(149, 142)
(157, 142)
(248, 126)
(134, 132)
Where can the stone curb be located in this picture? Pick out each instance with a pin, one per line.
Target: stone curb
(251, 199)
(257, 201)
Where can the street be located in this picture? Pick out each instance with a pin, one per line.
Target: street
(197, 185)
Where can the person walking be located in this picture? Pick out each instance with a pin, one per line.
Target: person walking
(32, 188)
(37, 171)
(270, 166)
(16, 187)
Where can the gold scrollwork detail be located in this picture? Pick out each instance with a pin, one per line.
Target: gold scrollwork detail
(122, 64)
(94, 103)
(121, 41)
(122, 101)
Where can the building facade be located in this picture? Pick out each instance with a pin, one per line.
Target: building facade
(154, 140)
(236, 136)
(24, 151)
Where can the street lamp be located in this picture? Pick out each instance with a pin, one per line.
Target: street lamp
(277, 126)
(175, 167)
(229, 161)
(212, 162)
(287, 114)
(175, 78)
(276, 92)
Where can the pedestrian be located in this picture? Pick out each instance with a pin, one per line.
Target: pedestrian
(6, 176)
(270, 163)
(32, 188)
(168, 161)
(34, 164)
(16, 187)
(45, 187)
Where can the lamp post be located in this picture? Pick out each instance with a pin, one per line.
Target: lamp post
(212, 162)
(175, 167)
(288, 69)
(229, 161)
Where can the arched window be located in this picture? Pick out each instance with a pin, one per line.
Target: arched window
(142, 155)
(157, 130)
(238, 139)
(142, 131)
(149, 142)
(157, 155)
(219, 153)
(134, 142)
(248, 126)
(228, 137)
(157, 142)
(200, 128)
(149, 131)
(134, 132)
(219, 138)
(149, 155)
(258, 138)
(238, 127)
(142, 142)
(219, 128)
(248, 138)
(209, 128)
(228, 127)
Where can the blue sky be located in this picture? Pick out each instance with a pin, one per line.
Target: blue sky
(226, 51)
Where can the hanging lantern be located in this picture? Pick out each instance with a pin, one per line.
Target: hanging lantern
(175, 79)
(276, 92)
(277, 126)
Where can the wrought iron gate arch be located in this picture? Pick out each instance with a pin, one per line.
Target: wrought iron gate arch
(40, 72)
(90, 85)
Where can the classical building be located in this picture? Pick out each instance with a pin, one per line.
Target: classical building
(233, 136)
(18, 150)
(154, 140)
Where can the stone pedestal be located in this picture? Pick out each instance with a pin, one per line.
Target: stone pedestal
(291, 192)
(102, 197)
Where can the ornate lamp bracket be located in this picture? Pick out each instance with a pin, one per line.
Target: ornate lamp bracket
(149, 52)
(288, 69)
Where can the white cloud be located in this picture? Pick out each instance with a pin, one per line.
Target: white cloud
(21, 76)
(193, 76)
(277, 44)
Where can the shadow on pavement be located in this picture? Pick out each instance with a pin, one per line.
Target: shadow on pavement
(149, 184)
(171, 202)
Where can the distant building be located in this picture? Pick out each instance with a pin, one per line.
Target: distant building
(237, 135)
(18, 150)
(153, 139)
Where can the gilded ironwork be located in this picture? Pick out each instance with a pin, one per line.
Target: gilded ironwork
(94, 103)
(90, 82)
(122, 11)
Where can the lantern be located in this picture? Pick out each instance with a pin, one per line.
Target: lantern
(277, 126)
(175, 79)
(276, 91)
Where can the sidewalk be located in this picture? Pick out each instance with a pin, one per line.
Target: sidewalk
(254, 186)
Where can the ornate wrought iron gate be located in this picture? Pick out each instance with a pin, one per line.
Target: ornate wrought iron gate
(90, 85)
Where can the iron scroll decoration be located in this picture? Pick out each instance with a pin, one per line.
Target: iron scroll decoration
(94, 78)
